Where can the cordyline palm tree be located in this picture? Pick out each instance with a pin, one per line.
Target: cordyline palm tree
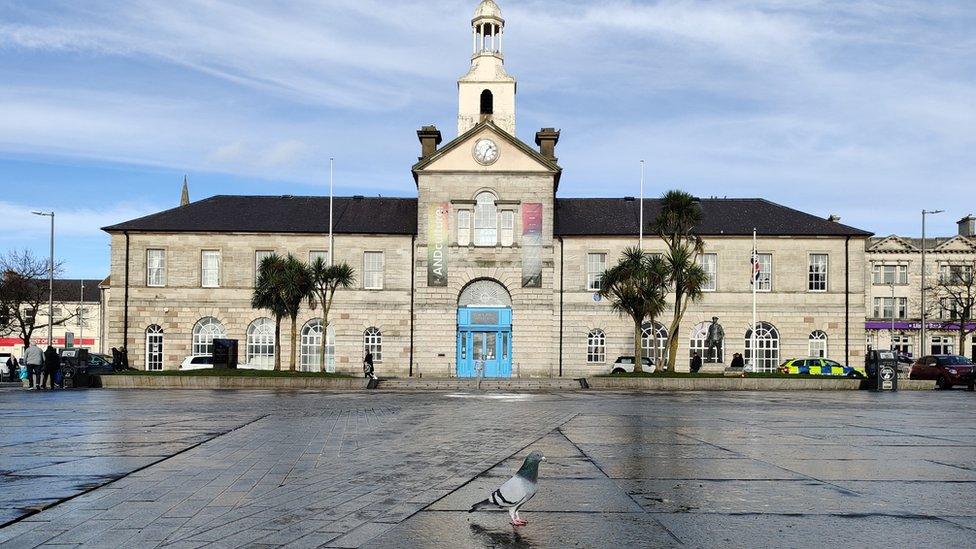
(326, 279)
(680, 215)
(267, 295)
(295, 288)
(636, 286)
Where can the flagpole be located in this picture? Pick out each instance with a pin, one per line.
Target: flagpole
(331, 238)
(640, 241)
(755, 285)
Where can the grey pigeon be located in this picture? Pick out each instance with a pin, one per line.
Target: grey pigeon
(516, 491)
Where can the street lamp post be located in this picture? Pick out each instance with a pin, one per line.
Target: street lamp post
(922, 343)
(50, 288)
(893, 313)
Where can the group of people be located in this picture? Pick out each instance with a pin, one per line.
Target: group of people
(738, 363)
(43, 367)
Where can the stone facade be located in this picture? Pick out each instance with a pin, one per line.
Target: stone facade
(899, 260)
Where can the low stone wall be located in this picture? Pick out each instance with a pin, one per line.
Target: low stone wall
(740, 384)
(230, 382)
(489, 384)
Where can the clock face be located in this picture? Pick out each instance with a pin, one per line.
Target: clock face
(485, 152)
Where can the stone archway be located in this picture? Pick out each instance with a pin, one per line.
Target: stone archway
(484, 330)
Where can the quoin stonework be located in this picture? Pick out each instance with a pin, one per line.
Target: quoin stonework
(485, 268)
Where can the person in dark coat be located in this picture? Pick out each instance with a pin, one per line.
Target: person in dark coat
(52, 363)
(737, 362)
(696, 363)
(12, 367)
(368, 365)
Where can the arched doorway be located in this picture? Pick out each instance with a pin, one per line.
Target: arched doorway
(484, 337)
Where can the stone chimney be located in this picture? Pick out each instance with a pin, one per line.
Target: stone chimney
(967, 226)
(546, 139)
(430, 138)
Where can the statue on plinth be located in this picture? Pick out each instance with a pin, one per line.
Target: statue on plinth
(714, 342)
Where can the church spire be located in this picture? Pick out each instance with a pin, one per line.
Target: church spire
(185, 196)
(487, 92)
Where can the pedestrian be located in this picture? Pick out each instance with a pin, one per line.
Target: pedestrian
(52, 364)
(368, 365)
(12, 367)
(696, 363)
(33, 361)
(737, 362)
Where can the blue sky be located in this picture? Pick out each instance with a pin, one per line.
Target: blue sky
(864, 108)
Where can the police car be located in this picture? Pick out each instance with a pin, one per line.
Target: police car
(819, 367)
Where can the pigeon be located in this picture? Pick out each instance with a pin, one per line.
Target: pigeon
(516, 491)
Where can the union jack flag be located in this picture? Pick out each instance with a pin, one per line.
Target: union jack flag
(756, 268)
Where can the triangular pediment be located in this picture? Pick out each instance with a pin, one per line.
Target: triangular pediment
(513, 155)
(957, 244)
(892, 243)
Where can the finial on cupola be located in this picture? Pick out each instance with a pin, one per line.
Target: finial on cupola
(185, 197)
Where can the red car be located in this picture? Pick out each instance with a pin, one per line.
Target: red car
(946, 370)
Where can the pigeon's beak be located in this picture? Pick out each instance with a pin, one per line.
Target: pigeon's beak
(544, 458)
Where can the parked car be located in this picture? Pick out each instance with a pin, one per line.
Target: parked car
(625, 365)
(947, 370)
(78, 366)
(197, 362)
(819, 367)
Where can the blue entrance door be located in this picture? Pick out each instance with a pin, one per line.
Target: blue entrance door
(484, 340)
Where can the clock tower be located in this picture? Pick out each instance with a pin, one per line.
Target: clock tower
(487, 91)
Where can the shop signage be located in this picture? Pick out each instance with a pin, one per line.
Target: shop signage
(904, 325)
(438, 234)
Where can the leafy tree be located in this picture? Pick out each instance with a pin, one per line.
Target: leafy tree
(268, 295)
(296, 287)
(24, 289)
(637, 287)
(326, 279)
(675, 225)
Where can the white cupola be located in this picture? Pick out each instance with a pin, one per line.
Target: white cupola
(487, 92)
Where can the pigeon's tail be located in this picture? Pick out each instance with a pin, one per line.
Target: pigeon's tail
(484, 504)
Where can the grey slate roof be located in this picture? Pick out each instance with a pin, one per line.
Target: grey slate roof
(398, 216)
(720, 216)
(68, 290)
(283, 214)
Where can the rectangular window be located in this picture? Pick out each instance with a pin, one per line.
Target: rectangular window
(155, 268)
(373, 270)
(817, 277)
(890, 274)
(765, 273)
(83, 317)
(709, 262)
(464, 227)
(902, 344)
(508, 228)
(210, 268)
(316, 255)
(595, 265)
(959, 275)
(884, 307)
(260, 256)
(942, 345)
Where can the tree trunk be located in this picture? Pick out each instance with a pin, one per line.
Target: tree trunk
(654, 352)
(325, 340)
(673, 338)
(638, 332)
(277, 360)
(294, 337)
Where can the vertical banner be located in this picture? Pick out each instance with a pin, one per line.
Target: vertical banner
(532, 245)
(438, 233)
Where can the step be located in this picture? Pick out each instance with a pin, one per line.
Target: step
(455, 384)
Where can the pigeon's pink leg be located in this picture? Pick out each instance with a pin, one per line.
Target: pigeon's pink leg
(517, 520)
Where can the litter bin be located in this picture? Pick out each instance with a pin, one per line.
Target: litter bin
(225, 354)
(882, 370)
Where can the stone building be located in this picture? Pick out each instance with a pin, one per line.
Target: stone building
(485, 267)
(894, 285)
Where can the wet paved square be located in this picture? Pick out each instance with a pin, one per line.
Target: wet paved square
(311, 469)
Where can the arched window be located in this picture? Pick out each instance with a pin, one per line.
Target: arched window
(596, 347)
(204, 332)
(699, 335)
(261, 344)
(311, 345)
(373, 342)
(660, 333)
(487, 102)
(818, 344)
(767, 348)
(485, 220)
(154, 348)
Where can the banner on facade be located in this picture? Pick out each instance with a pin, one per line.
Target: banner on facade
(438, 234)
(532, 245)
